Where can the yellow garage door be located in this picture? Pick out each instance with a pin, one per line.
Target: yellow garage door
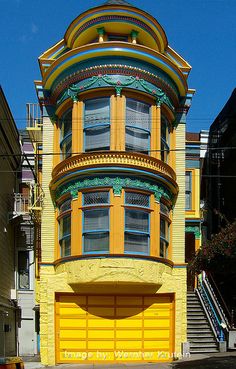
(114, 328)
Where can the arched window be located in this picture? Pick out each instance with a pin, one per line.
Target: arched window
(66, 134)
(97, 124)
(138, 126)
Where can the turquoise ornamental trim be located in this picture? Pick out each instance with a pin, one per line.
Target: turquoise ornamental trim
(118, 82)
(196, 230)
(117, 183)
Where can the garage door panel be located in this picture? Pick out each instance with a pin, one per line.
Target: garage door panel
(68, 345)
(101, 334)
(129, 301)
(129, 323)
(122, 334)
(128, 312)
(69, 323)
(72, 333)
(101, 300)
(99, 323)
(156, 345)
(101, 311)
(126, 345)
(152, 333)
(104, 345)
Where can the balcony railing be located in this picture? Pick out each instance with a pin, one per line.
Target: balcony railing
(34, 122)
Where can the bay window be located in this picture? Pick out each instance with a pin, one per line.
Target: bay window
(137, 223)
(137, 127)
(96, 222)
(97, 124)
(64, 221)
(66, 134)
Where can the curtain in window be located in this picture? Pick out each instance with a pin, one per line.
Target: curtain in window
(97, 124)
(137, 126)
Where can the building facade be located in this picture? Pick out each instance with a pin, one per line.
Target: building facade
(114, 100)
(10, 160)
(192, 201)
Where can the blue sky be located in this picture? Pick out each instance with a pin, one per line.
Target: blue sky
(201, 31)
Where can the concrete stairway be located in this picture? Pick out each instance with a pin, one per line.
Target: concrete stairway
(199, 332)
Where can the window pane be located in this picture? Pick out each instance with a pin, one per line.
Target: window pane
(96, 219)
(97, 138)
(96, 112)
(163, 228)
(137, 114)
(65, 206)
(96, 198)
(138, 199)
(188, 200)
(64, 226)
(66, 124)
(65, 245)
(66, 147)
(98, 241)
(164, 209)
(188, 181)
(136, 220)
(136, 243)
(136, 140)
(163, 249)
(23, 270)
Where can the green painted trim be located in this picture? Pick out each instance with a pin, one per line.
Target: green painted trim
(117, 183)
(118, 82)
(196, 230)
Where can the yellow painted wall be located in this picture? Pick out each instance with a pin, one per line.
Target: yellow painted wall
(178, 224)
(172, 280)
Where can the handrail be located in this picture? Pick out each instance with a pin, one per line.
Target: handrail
(229, 316)
(213, 307)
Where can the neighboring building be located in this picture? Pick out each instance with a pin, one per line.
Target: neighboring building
(114, 99)
(218, 184)
(10, 162)
(220, 169)
(25, 253)
(192, 203)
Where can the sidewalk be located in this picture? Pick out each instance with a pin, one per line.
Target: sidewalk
(225, 360)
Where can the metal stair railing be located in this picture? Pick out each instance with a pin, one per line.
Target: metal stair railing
(213, 309)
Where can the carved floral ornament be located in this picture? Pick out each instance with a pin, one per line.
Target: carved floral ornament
(117, 183)
(118, 82)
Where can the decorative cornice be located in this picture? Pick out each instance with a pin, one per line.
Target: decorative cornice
(117, 183)
(118, 82)
(91, 74)
(194, 229)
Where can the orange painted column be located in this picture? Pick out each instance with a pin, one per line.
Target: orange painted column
(117, 224)
(156, 131)
(76, 226)
(154, 227)
(75, 128)
(119, 124)
(56, 235)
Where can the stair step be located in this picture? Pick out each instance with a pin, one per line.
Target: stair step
(200, 351)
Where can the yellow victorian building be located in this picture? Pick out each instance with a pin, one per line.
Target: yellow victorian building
(114, 98)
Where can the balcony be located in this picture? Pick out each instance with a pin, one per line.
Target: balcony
(139, 162)
(19, 205)
(34, 122)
